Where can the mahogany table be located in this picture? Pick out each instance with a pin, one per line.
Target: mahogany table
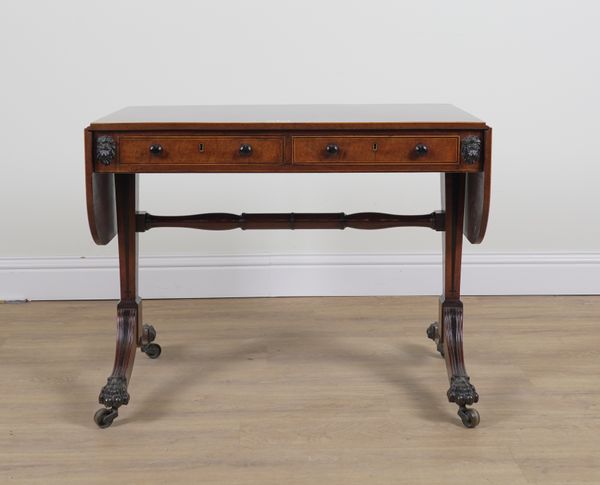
(295, 138)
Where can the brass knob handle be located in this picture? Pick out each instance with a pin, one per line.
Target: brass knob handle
(332, 149)
(245, 149)
(156, 149)
(421, 149)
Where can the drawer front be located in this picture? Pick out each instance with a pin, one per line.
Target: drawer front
(376, 149)
(136, 150)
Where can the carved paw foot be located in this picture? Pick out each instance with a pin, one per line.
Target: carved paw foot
(433, 332)
(461, 391)
(114, 393)
(150, 349)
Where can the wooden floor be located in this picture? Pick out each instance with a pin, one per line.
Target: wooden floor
(303, 391)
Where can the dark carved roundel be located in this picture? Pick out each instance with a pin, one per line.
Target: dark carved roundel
(106, 149)
(470, 148)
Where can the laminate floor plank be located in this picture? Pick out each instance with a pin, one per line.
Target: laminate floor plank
(303, 391)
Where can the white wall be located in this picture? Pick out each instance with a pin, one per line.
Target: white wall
(528, 68)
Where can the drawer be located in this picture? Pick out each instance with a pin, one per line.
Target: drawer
(375, 149)
(192, 150)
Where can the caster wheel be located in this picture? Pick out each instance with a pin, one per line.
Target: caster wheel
(469, 417)
(150, 333)
(440, 349)
(432, 331)
(152, 350)
(104, 417)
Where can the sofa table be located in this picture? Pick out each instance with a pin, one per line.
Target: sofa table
(283, 139)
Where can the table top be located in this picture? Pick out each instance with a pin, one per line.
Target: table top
(351, 116)
(286, 139)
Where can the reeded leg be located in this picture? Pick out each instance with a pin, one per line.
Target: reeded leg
(114, 394)
(130, 333)
(448, 333)
(461, 391)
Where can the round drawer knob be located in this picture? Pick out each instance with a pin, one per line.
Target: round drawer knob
(245, 149)
(421, 149)
(156, 149)
(332, 149)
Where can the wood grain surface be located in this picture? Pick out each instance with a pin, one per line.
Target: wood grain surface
(200, 149)
(100, 198)
(352, 116)
(375, 149)
(303, 391)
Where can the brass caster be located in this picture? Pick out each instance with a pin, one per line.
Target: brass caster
(469, 417)
(152, 350)
(104, 417)
(433, 333)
